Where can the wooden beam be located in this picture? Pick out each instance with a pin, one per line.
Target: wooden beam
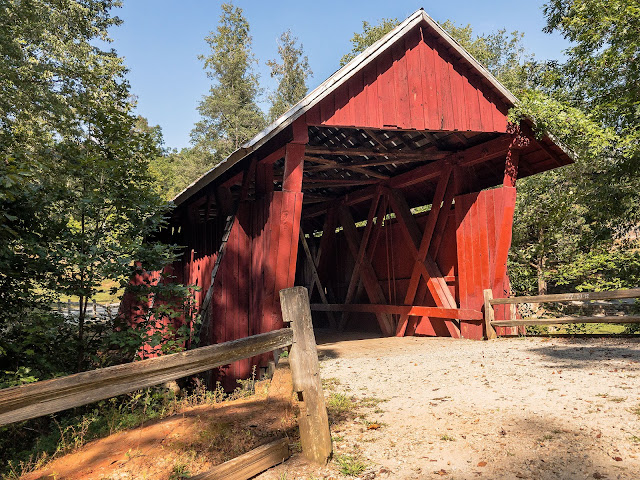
(293, 167)
(369, 279)
(316, 278)
(355, 274)
(331, 165)
(489, 314)
(333, 182)
(464, 158)
(327, 241)
(376, 162)
(409, 310)
(434, 278)
(425, 244)
(50, 396)
(274, 156)
(504, 238)
(358, 152)
(315, 436)
(567, 320)
(371, 248)
(249, 464)
(570, 297)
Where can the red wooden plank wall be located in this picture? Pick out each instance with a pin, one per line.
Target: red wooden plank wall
(480, 227)
(413, 85)
(259, 261)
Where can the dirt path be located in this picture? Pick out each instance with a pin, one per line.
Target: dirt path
(535, 408)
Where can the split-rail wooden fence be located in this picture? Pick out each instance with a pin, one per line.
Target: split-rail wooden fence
(49, 396)
(491, 323)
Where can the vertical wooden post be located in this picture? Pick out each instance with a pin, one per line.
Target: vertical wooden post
(68, 306)
(305, 371)
(95, 309)
(489, 314)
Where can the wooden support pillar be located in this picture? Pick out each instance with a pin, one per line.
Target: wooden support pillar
(489, 315)
(315, 436)
(293, 167)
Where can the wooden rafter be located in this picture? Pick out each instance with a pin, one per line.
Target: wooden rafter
(332, 164)
(465, 158)
(359, 152)
(373, 162)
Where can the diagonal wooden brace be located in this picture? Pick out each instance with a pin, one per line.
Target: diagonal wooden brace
(369, 279)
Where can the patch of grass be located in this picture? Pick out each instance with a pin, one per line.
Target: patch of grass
(180, 470)
(337, 438)
(635, 410)
(602, 395)
(350, 465)
(371, 401)
(617, 399)
(447, 438)
(546, 437)
(634, 439)
(330, 383)
(339, 403)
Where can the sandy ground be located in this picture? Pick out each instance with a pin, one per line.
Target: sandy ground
(533, 408)
(525, 408)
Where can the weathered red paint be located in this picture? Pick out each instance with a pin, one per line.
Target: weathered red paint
(414, 85)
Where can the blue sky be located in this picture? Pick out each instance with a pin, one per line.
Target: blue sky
(161, 40)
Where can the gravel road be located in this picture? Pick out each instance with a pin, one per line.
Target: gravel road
(532, 408)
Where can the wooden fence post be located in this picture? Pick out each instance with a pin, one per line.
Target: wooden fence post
(305, 372)
(69, 306)
(489, 314)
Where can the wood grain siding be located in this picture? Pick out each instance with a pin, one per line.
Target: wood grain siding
(482, 221)
(416, 84)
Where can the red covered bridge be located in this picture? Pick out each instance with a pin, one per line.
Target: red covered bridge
(376, 191)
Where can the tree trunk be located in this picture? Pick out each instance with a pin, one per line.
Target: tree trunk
(542, 282)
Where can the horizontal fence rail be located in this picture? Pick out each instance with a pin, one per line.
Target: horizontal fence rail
(568, 297)
(491, 322)
(50, 396)
(412, 310)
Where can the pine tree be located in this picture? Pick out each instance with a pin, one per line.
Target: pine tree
(292, 74)
(230, 114)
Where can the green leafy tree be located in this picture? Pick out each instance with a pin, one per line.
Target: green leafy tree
(230, 114)
(176, 170)
(77, 201)
(575, 226)
(370, 35)
(292, 75)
